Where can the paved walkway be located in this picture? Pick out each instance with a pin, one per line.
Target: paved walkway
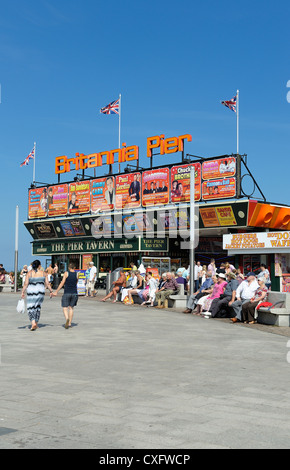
(139, 378)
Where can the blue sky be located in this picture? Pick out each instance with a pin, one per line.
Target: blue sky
(173, 62)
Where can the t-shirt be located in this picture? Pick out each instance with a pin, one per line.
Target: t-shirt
(93, 272)
(218, 290)
(259, 292)
(232, 285)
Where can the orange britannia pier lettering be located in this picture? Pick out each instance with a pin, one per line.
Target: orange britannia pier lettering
(167, 146)
(94, 159)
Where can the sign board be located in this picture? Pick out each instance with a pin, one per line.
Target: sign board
(261, 242)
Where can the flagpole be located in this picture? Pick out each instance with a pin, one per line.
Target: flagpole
(238, 122)
(34, 163)
(119, 128)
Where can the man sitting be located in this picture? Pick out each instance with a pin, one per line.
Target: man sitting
(170, 287)
(219, 305)
(205, 289)
(244, 293)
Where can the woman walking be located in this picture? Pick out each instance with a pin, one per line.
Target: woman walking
(35, 283)
(70, 295)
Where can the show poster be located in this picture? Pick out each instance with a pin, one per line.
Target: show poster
(37, 203)
(81, 285)
(218, 189)
(155, 187)
(102, 226)
(128, 191)
(129, 224)
(168, 220)
(182, 219)
(57, 200)
(180, 183)
(221, 168)
(143, 221)
(103, 194)
(72, 228)
(79, 197)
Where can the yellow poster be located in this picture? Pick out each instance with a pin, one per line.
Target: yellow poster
(226, 215)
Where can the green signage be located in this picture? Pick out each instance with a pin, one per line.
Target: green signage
(92, 245)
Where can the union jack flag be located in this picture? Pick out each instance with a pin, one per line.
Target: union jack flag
(232, 104)
(30, 156)
(112, 108)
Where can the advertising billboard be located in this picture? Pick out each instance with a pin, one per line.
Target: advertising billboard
(180, 183)
(57, 200)
(79, 197)
(103, 195)
(128, 191)
(37, 203)
(155, 187)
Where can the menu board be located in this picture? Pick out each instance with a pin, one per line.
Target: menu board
(128, 191)
(218, 189)
(79, 197)
(57, 200)
(155, 187)
(103, 194)
(221, 168)
(37, 203)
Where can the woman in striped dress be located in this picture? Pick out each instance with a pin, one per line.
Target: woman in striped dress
(35, 283)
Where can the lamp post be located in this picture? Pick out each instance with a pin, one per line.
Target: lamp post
(16, 249)
(192, 227)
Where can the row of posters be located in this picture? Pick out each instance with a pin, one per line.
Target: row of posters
(213, 180)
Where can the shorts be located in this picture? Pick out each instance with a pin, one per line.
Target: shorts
(69, 300)
(91, 285)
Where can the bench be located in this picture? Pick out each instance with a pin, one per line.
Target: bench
(178, 300)
(279, 313)
(6, 287)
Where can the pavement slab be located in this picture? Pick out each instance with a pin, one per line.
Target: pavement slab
(129, 377)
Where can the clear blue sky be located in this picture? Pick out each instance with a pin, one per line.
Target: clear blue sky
(173, 62)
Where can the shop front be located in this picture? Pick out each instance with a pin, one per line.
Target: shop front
(270, 248)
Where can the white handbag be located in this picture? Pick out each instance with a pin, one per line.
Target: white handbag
(21, 306)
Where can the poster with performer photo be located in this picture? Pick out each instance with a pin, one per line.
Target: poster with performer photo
(79, 197)
(37, 203)
(143, 221)
(103, 194)
(218, 189)
(180, 183)
(72, 228)
(57, 200)
(102, 226)
(155, 187)
(220, 168)
(128, 191)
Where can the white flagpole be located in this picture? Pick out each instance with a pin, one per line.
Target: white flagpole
(238, 122)
(120, 122)
(34, 163)
(119, 128)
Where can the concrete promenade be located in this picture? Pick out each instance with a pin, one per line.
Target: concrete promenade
(139, 378)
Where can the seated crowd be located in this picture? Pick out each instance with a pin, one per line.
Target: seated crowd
(219, 292)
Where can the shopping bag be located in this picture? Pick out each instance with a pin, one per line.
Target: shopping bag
(21, 306)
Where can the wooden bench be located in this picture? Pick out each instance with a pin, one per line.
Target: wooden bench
(279, 313)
